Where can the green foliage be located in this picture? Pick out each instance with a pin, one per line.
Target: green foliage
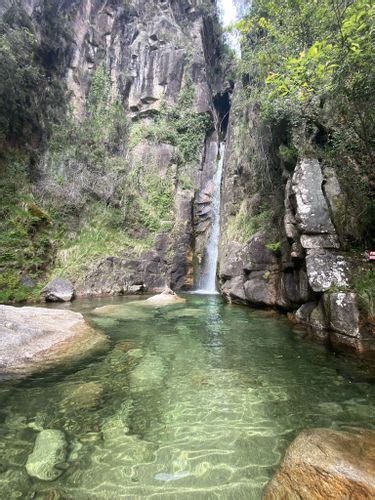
(180, 126)
(100, 235)
(275, 247)
(364, 287)
(25, 231)
(244, 225)
(31, 88)
(155, 208)
(309, 67)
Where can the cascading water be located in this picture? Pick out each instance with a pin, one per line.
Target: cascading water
(208, 276)
(228, 14)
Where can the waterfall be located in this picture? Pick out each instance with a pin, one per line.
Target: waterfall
(228, 14)
(208, 276)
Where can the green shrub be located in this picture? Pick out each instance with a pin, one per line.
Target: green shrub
(364, 287)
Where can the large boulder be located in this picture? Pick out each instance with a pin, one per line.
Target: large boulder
(48, 454)
(262, 288)
(34, 339)
(58, 290)
(324, 463)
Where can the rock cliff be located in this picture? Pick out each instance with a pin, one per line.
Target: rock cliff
(135, 138)
(279, 246)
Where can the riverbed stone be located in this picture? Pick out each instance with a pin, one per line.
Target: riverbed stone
(58, 290)
(48, 454)
(83, 396)
(324, 463)
(34, 339)
(149, 374)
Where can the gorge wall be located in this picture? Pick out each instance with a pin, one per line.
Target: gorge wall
(120, 184)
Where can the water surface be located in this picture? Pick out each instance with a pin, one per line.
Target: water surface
(194, 401)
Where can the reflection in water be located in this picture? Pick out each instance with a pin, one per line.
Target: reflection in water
(197, 400)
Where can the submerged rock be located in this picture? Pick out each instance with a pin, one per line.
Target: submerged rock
(34, 339)
(58, 290)
(49, 452)
(324, 463)
(84, 396)
(148, 374)
(164, 298)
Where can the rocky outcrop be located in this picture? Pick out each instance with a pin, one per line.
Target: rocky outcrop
(292, 258)
(34, 339)
(48, 455)
(323, 463)
(58, 290)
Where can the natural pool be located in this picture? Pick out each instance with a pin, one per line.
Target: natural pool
(194, 401)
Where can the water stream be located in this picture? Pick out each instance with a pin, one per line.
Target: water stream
(192, 401)
(208, 273)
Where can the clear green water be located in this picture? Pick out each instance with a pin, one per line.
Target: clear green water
(194, 401)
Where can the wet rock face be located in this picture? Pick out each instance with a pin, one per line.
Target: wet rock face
(35, 339)
(323, 463)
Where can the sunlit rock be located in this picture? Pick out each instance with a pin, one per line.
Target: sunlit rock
(324, 463)
(167, 297)
(34, 339)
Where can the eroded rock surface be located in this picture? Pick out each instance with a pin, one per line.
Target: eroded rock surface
(34, 339)
(324, 463)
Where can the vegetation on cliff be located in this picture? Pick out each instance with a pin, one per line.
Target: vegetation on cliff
(308, 66)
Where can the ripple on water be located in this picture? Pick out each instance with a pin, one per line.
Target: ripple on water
(193, 401)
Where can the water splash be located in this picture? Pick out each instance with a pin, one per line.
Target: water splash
(208, 278)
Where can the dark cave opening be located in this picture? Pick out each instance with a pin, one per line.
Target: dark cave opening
(222, 104)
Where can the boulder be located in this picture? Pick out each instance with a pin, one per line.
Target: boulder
(262, 288)
(166, 297)
(48, 454)
(312, 314)
(343, 313)
(34, 339)
(257, 256)
(58, 290)
(324, 463)
(233, 290)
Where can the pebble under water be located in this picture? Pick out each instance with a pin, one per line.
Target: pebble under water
(195, 401)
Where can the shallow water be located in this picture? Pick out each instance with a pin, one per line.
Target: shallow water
(197, 400)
